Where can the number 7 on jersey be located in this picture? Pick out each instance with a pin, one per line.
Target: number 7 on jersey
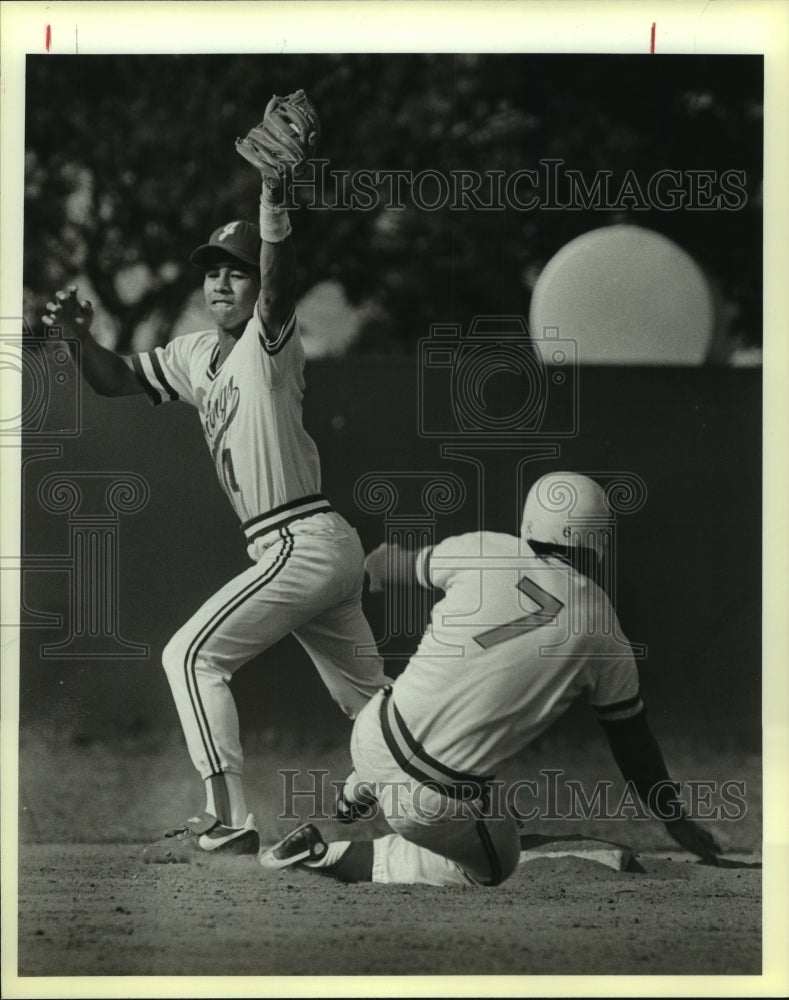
(548, 607)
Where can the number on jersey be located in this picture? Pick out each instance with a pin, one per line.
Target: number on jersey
(548, 607)
(229, 473)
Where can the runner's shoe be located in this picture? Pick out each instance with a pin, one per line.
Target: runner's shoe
(305, 843)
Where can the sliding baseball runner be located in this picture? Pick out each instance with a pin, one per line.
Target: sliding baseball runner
(521, 630)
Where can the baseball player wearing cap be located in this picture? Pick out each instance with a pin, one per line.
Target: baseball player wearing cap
(521, 631)
(245, 378)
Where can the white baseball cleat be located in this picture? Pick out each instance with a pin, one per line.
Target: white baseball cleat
(203, 835)
(305, 843)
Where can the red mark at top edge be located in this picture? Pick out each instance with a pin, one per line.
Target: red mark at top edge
(48, 37)
(652, 40)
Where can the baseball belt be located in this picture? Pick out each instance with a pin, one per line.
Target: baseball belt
(278, 517)
(412, 757)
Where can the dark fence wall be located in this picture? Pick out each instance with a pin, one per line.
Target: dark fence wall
(688, 564)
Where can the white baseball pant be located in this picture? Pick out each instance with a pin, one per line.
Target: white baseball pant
(437, 840)
(307, 579)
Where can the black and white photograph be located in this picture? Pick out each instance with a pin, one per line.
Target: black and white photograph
(393, 505)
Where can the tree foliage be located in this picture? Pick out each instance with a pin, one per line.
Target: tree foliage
(130, 164)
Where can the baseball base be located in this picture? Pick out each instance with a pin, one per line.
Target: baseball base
(615, 856)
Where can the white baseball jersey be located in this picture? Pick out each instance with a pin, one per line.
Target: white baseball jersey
(307, 576)
(514, 640)
(251, 412)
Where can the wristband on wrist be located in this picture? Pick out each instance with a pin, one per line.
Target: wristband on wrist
(274, 222)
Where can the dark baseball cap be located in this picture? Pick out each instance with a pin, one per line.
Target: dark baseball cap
(237, 239)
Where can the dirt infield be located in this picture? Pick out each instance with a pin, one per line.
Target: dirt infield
(90, 909)
(96, 910)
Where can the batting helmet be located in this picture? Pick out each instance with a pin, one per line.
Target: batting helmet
(567, 509)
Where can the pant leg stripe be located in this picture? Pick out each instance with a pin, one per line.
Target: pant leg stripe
(219, 616)
(490, 853)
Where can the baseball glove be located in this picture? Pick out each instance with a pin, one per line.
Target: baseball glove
(286, 139)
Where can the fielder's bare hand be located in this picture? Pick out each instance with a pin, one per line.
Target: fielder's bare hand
(694, 839)
(67, 311)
